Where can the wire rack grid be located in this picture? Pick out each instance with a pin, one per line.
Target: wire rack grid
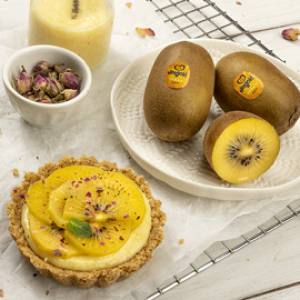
(205, 19)
(223, 249)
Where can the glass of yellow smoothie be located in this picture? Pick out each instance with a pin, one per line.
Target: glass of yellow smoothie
(82, 26)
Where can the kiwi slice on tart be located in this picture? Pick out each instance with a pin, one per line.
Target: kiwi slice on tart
(241, 146)
(85, 223)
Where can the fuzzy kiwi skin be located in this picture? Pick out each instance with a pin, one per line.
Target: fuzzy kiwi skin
(178, 114)
(218, 126)
(279, 103)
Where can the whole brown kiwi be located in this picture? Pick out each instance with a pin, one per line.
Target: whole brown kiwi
(176, 114)
(279, 100)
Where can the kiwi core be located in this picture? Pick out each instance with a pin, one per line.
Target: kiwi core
(245, 151)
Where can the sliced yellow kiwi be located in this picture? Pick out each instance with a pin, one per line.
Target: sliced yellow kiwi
(128, 190)
(109, 203)
(241, 146)
(37, 200)
(110, 180)
(107, 237)
(86, 200)
(72, 173)
(49, 239)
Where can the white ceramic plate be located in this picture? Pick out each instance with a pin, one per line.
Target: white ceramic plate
(182, 165)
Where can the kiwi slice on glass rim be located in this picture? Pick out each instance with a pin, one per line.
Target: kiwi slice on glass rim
(241, 146)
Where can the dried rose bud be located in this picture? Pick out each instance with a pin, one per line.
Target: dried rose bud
(31, 96)
(69, 79)
(23, 83)
(41, 68)
(54, 87)
(42, 96)
(53, 74)
(40, 83)
(69, 94)
(58, 98)
(290, 34)
(57, 68)
(47, 101)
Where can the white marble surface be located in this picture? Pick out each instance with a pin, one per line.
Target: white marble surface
(262, 267)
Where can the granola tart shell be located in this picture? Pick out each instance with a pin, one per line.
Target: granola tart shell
(84, 279)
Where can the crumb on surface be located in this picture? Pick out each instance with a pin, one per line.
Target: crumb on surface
(15, 172)
(181, 241)
(1, 293)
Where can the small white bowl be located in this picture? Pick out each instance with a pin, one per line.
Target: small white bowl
(42, 114)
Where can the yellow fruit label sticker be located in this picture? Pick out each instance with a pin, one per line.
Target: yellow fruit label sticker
(177, 75)
(248, 85)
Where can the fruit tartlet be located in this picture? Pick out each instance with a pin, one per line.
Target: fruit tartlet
(85, 223)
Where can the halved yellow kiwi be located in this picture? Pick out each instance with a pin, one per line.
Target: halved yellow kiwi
(241, 146)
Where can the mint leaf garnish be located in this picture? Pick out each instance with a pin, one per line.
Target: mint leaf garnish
(79, 228)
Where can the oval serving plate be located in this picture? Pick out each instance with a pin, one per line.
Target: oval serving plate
(182, 165)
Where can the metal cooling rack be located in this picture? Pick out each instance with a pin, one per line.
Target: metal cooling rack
(223, 249)
(203, 18)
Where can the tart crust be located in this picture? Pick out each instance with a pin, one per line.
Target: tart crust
(84, 279)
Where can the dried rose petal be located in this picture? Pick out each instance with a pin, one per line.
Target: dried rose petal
(128, 4)
(61, 246)
(59, 236)
(145, 31)
(56, 252)
(290, 34)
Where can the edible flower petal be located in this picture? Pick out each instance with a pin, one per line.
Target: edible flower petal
(56, 252)
(145, 31)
